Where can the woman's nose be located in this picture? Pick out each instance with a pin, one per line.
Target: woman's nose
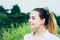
(29, 20)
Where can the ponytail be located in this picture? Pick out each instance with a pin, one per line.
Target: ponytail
(50, 21)
(52, 24)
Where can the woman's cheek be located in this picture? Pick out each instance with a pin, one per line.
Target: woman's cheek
(37, 23)
(32, 26)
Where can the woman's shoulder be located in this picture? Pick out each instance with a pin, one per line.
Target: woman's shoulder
(54, 37)
(27, 36)
(51, 36)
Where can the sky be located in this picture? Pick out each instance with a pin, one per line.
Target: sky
(28, 5)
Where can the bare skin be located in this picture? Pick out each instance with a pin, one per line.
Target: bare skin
(37, 24)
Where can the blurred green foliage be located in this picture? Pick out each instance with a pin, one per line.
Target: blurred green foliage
(16, 33)
(13, 25)
(16, 17)
(58, 30)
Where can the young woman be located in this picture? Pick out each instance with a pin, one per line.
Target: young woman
(44, 25)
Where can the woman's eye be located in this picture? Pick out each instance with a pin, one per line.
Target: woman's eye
(33, 18)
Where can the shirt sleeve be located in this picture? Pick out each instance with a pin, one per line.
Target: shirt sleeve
(54, 37)
(26, 37)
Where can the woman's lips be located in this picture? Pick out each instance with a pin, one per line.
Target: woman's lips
(31, 24)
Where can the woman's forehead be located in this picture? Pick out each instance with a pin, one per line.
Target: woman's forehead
(34, 13)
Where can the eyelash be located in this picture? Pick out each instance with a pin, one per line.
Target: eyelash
(33, 18)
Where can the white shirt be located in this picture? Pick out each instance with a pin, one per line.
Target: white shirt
(46, 36)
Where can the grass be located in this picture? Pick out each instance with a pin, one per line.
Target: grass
(58, 30)
(16, 33)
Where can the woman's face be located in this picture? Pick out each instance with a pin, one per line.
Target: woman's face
(35, 21)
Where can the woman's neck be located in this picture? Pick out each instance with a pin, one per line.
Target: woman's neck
(39, 31)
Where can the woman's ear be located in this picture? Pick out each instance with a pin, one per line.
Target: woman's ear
(43, 21)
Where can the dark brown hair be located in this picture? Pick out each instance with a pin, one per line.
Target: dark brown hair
(49, 19)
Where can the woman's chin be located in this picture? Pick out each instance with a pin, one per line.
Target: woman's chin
(31, 27)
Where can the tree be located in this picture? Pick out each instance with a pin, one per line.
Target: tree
(15, 9)
(58, 20)
(2, 9)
